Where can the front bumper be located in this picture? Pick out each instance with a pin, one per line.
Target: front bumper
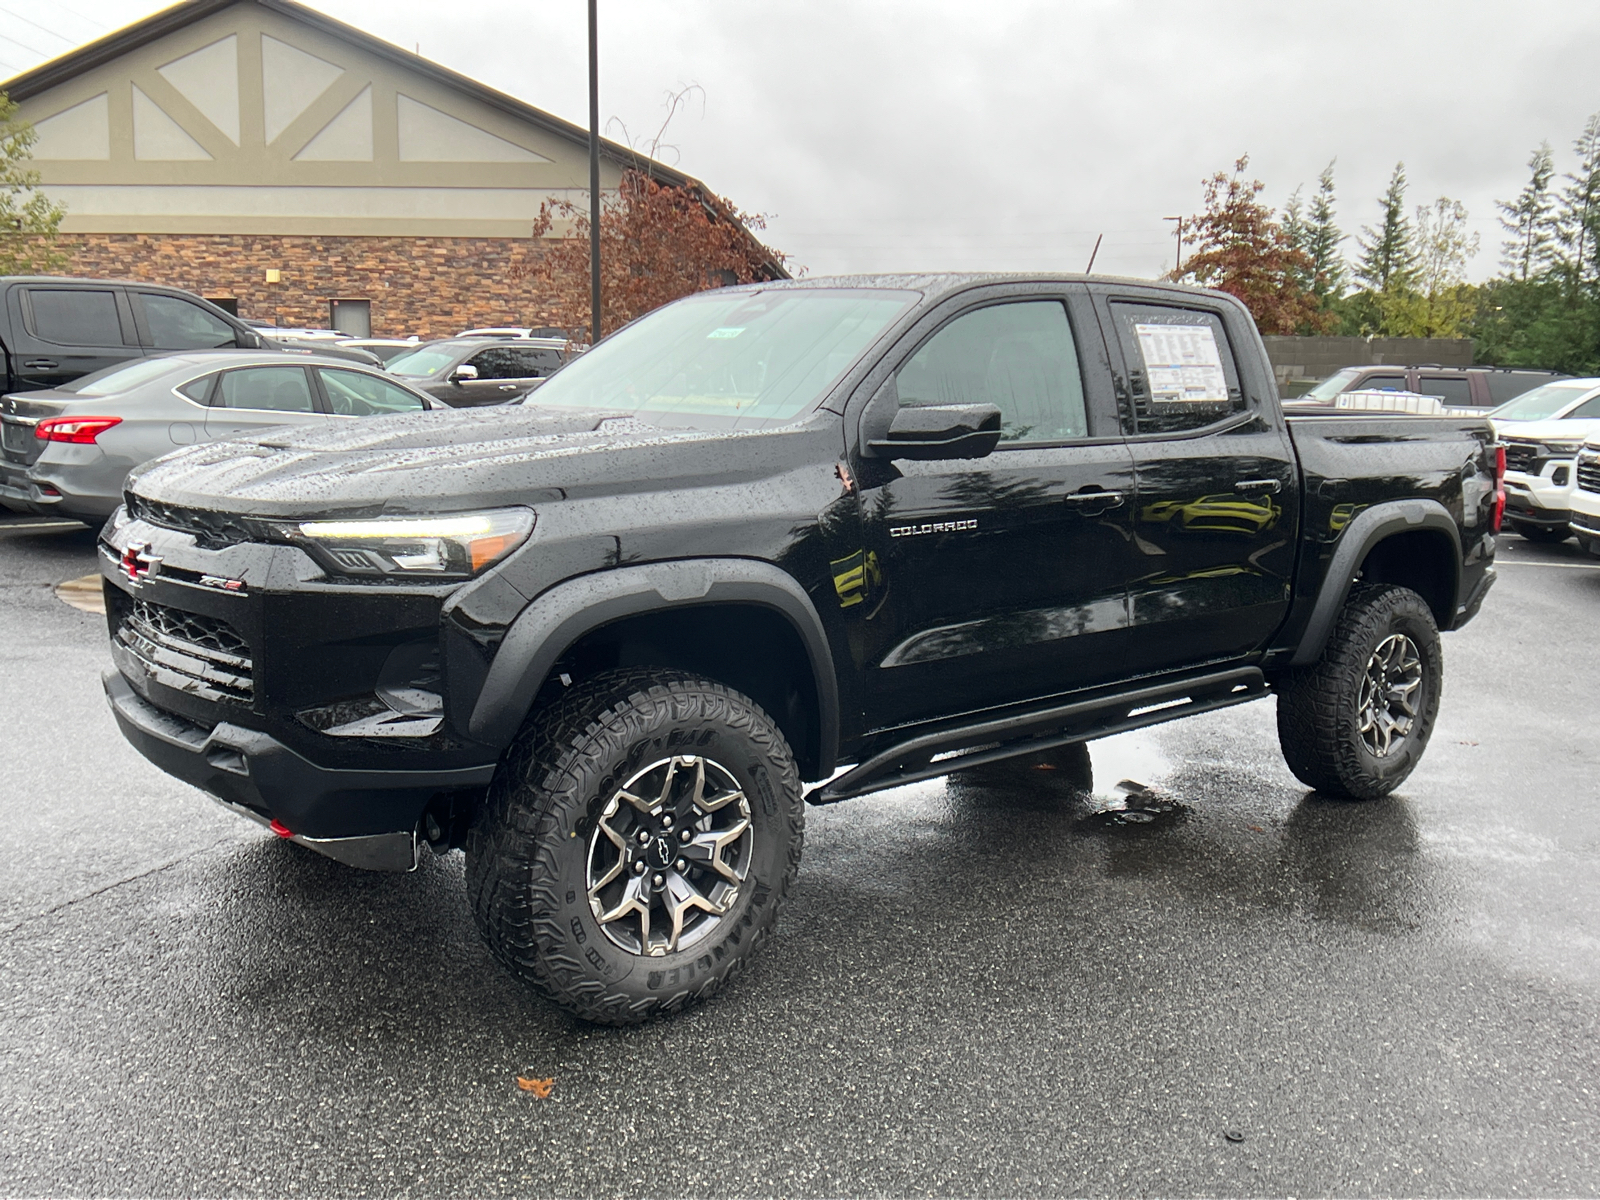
(259, 777)
(1538, 499)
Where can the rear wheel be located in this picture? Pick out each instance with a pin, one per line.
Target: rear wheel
(1356, 723)
(1542, 533)
(636, 844)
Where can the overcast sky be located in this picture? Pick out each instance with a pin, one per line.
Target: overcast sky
(1007, 134)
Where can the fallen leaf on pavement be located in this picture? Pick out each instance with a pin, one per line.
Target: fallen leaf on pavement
(539, 1087)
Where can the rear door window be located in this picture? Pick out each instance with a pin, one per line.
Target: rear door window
(276, 389)
(1383, 383)
(75, 316)
(1018, 356)
(177, 324)
(1454, 390)
(357, 394)
(1181, 369)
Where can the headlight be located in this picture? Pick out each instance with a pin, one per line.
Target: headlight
(1563, 448)
(457, 546)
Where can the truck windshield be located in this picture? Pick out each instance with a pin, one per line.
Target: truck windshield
(1332, 385)
(728, 360)
(1543, 402)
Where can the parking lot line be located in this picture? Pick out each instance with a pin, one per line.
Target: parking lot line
(5, 526)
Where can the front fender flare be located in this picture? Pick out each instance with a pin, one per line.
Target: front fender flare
(1370, 527)
(562, 615)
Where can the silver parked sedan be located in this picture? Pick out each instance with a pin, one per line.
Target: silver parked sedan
(68, 450)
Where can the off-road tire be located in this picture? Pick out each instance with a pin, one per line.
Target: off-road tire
(1318, 717)
(1547, 535)
(528, 845)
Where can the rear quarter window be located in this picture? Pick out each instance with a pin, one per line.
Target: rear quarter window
(1508, 385)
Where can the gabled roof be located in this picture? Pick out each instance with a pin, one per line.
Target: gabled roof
(187, 12)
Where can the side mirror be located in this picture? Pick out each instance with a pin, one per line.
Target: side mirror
(249, 339)
(940, 431)
(463, 373)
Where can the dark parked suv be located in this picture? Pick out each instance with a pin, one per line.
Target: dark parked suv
(54, 330)
(468, 372)
(1458, 387)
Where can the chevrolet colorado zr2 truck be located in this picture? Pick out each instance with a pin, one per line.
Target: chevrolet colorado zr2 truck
(773, 544)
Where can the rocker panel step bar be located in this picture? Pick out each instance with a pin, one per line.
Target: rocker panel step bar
(1043, 729)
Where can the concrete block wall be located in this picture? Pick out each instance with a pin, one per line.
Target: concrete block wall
(1319, 357)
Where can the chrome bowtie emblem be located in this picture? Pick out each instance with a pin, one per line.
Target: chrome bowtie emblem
(139, 564)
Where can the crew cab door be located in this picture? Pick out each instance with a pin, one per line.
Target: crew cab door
(994, 580)
(1217, 500)
(62, 331)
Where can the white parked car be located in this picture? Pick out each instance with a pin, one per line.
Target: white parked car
(1586, 497)
(1542, 431)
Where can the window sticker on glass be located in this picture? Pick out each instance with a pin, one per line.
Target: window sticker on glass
(727, 331)
(1183, 363)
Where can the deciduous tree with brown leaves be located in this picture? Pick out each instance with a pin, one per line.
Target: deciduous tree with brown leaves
(658, 242)
(1244, 252)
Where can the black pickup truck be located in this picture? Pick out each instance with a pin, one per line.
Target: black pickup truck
(843, 532)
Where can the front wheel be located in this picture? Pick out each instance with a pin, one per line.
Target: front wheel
(636, 844)
(1355, 723)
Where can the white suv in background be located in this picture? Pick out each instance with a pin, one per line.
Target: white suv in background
(1542, 431)
(1586, 497)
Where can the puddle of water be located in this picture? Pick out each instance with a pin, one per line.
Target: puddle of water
(1138, 806)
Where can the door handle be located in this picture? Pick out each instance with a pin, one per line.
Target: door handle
(1105, 499)
(41, 364)
(508, 387)
(1259, 485)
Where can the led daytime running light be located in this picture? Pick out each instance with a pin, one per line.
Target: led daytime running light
(473, 525)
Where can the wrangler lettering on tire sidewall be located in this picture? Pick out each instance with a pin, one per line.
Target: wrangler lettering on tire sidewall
(1355, 724)
(636, 844)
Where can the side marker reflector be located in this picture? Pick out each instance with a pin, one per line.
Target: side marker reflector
(282, 830)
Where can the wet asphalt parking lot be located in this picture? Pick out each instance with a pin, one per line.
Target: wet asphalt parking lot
(974, 990)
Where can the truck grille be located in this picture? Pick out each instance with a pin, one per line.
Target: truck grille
(1521, 457)
(208, 657)
(210, 530)
(1589, 473)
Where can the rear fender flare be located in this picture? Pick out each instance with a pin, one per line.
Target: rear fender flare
(559, 617)
(1370, 527)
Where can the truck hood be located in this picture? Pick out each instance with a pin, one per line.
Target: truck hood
(444, 462)
(1566, 429)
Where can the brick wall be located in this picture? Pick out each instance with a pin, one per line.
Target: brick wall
(432, 287)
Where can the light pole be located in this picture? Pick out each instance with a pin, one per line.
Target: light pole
(594, 174)
(1179, 266)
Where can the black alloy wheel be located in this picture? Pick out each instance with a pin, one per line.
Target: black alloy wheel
(1355, 723)
(637, 843)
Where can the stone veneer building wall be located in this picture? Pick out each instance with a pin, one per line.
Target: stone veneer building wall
(428, 286)
(259, 152)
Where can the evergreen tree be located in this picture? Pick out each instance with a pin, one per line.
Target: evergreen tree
(1321, 241)
(1388, 257)
(1577, 220)
(1528, 220)
(1294, 232)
